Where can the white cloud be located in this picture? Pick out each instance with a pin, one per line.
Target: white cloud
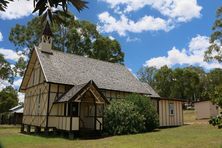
(17, 9)
(199, 44)
(147, 23)
(171, 11)
(111, 37)
(3, 84)
(11, 54)
(17, 83)
(1, 37)
(21, 97)
(194, 55)
(176, 9)
(134, 39)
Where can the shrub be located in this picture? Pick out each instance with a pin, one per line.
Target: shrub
(216, 121)
(122, 117)
(147, 109)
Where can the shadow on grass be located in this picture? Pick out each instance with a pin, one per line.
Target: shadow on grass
(65, 135)
(77, 135)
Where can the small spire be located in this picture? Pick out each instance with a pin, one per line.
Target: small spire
(45, 44)
(47, 31)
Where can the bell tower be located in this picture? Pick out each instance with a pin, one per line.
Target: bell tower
(46, 40)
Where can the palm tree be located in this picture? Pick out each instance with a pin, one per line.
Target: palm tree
(49, 8)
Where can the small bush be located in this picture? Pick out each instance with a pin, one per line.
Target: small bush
(147, 109)
(122, 117)
(135, 114)
(216, 121)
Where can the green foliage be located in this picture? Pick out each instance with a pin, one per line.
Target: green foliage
(6, 72)
(189, 83)
(216, 95)
(121, 117)
(134, 114)
(147, 75)
(146, 108)
(184, 84)
(20, 66)
(214, 52)
(216, 121)
(215, 86)
(107, 50)
(8, 99)
(163, 78)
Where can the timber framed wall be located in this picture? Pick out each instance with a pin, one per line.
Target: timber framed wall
(112, 94)
(167, 117)
(56, 116)
(36, 97)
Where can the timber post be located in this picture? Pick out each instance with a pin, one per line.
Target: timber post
(37, 129)
(28, 129)
(71, 135)
(47, 114)
(46, 131)
(22, 128)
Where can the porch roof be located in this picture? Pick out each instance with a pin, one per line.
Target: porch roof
(77, 90)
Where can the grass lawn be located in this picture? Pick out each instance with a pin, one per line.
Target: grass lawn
(196, 134)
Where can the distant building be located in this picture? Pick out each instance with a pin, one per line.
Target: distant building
(17, 114)
(205, 109)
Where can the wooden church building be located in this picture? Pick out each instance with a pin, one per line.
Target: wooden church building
(69, 92)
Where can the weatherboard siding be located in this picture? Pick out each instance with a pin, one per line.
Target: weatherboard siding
(165, 118)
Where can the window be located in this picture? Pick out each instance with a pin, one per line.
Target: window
(171, 108)
(73, 109)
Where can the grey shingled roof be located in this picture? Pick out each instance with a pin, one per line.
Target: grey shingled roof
(72, 92)
(71, 69)
(153, 93)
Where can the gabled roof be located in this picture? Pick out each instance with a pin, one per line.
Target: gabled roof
(71, 69)
(153, 93)
(78, 90)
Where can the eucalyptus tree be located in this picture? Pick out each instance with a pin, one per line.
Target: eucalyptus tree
(72, 36)
(214, 52)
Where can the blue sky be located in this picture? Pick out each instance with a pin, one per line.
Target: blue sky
(151, 32)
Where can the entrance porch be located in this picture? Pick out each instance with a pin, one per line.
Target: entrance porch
(83, 108)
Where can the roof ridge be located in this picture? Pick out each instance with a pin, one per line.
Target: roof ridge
(88, 57)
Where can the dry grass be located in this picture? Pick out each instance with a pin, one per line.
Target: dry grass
(188, 136)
